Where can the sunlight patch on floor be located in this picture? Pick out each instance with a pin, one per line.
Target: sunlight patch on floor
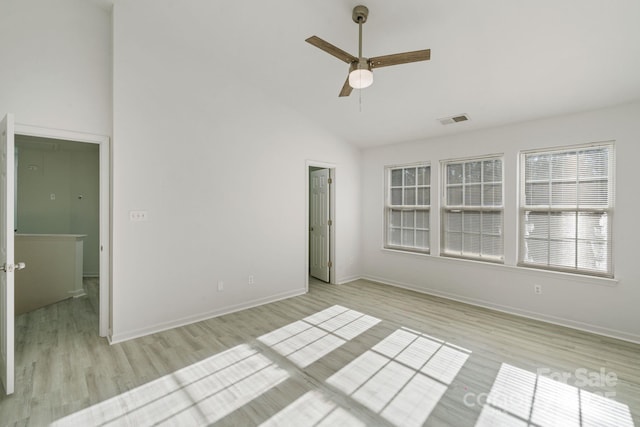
(313, 408)
(403, 377)
(520, 397)
(199, 394)
(308, 340)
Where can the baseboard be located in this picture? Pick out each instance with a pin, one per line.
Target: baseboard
(137, 333)
(348, 279)
(77, 293)
(581, 326)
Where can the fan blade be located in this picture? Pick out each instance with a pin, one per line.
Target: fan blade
(346, 89)
(400, 58)
(331, 49)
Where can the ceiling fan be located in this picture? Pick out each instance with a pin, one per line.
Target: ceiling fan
(360, 68)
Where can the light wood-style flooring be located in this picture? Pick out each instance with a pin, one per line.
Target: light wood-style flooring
(355, 354)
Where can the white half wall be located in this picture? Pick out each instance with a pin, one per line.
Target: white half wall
(220, 169)
(56, 64)
(598, 305)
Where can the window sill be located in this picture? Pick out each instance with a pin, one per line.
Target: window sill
(591, 280)
(582, 278)
(407, 252)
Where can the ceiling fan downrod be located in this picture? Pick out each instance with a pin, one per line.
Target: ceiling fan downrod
(360, 75)
(360, 14)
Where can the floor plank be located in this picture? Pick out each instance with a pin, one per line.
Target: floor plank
(355, 354)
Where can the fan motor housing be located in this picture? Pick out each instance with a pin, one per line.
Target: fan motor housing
(360, 14)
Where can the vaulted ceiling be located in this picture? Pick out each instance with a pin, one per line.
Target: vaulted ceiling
(499, 61)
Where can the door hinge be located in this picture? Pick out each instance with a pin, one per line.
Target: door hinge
(329, 264)
(10, 268)
(330, 181)
(330, 223)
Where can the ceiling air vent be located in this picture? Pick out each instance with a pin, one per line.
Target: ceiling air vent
(454, 119)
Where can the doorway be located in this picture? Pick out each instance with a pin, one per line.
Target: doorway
(320, 222)
(84, 142)
(56, 222)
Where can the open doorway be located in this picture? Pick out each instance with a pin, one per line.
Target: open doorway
(81, 207)
(57, 222)
(320, 222)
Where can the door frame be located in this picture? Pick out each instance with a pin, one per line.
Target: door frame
(8, 297)
(332, 210)
(104, 328)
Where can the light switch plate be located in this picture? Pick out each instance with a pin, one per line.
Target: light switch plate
(138, 215)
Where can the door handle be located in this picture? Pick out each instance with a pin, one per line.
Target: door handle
(10, 268)
(311, 228)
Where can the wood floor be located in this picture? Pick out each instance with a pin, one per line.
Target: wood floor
(355, 354)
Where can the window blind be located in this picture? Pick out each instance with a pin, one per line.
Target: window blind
(407, 208)
(473, 209)
(566, 209)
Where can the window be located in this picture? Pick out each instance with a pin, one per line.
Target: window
(565, 209)
(473, 209)
(407, 207)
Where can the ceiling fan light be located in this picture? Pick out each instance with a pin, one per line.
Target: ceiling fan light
(360, 78)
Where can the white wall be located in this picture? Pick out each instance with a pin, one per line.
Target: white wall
(220, 168)
(593, 304)
(56, 68)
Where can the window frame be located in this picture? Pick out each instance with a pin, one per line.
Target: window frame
(389, 207)
(446, 208)
(523, 208)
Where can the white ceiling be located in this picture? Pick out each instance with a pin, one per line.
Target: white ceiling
(499, 61)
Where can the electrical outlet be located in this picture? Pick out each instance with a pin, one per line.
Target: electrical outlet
(537, 289)
(220, 285)
(251, 280)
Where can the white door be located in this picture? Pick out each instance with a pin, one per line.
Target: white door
(319, 224)
(6, 253)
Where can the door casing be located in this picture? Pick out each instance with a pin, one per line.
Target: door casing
(319, 224)
(7, 318)
(105, 319)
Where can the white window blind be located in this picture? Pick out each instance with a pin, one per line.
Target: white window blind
(566, 209)
(473, 209)
(407, 207)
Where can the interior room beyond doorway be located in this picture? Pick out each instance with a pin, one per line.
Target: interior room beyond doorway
(57, 219)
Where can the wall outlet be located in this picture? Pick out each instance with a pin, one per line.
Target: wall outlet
(537, 289)
(138, 215)
(220, 285)
(251, 280)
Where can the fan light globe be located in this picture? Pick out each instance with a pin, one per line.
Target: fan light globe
(360, 78)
